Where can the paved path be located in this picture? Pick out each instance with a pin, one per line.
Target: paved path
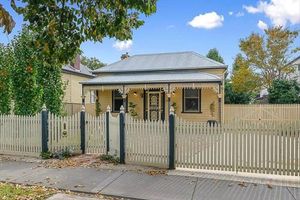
(141, 186)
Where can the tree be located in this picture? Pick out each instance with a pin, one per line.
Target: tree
(284, 92)
(93, 63)
(232, 97)
(214, 55)
(244, 80)
(62, 25)
(5, 80)
(24, 75)
(6, 20)
(269, 54)
(34, 82)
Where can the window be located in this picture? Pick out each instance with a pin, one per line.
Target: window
(92, 96)
(117, 101)
(191, 100)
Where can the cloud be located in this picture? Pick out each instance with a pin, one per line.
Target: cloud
(230, 13)
(280, 12)
(123, 45)
(239, 14)
(207, 21)
(262, 25)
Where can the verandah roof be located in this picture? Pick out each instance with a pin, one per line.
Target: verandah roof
(153, 78)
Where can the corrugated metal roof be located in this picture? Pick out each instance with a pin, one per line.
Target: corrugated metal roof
(165, 77)
(162, 61)
(84, 70)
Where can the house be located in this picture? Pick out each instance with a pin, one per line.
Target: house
(148, 85)
(296, 65)
(72, 75)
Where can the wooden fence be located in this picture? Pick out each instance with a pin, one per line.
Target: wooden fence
(255, 147)
(20, 135)
(95, 130)
(262, 112)
(146, 142)
(64, 133)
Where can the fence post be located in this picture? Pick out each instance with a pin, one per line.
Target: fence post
(122, 135)
(82, 129)
(172, 139)
(107, 129)
(44, 129)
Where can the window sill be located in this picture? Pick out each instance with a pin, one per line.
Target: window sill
(191, 112)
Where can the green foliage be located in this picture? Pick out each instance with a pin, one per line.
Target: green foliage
(34, 81)
(132, 111)
(92, 63)
(244, 79)
(215, 55)
(24, 75)
(63, 154)
(62, 25)
(284, 92)
(268, 54)
(5, 80)
(232, 97)
(52, 85)
(46, 155)
(111, 159)
(98, 108)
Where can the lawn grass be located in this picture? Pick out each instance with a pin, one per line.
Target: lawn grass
(20, 192)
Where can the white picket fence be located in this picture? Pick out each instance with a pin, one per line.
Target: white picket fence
(64, 132)
(146, 142)
(95, 130)
(255, 147)
(20, 135)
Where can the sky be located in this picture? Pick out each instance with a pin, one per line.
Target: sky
(193, 25)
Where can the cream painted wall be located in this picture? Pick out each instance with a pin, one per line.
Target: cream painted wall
(208, 96)
(73, 88)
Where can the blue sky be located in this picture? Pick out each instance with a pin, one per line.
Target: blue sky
(220, 24)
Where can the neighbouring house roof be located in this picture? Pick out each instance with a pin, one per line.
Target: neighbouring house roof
(84, 70)
(152, 77)
(294, 60)
(162, 61)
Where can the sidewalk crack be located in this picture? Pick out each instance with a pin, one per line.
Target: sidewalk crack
(291, 193)
(111, 182)
(195, 188)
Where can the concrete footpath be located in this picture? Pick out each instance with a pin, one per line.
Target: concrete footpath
(136, 185)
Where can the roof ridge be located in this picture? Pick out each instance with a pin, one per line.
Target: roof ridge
(209, 59)
(162, 53)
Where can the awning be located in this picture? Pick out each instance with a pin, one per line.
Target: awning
(153, 78)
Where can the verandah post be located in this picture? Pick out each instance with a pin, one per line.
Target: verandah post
(44, 129)
(171, 139)
(82, 129)
(107, 129)
(122, 135)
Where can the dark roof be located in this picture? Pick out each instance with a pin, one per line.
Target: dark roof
(84, 70)
(162, 62)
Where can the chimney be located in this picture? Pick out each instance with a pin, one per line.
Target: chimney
(76, 62)
(124, 56)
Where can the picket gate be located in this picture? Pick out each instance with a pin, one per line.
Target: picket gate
(146, 142)
(64, 133)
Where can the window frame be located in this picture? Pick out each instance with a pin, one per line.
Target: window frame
(113, 110)
(93, 96)
(199, 102)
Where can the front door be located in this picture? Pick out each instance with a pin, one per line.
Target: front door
(154, 105)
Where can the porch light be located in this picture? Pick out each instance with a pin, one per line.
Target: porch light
(135, 94)
(173, 93)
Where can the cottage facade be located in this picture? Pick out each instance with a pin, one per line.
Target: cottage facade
(148, 85)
